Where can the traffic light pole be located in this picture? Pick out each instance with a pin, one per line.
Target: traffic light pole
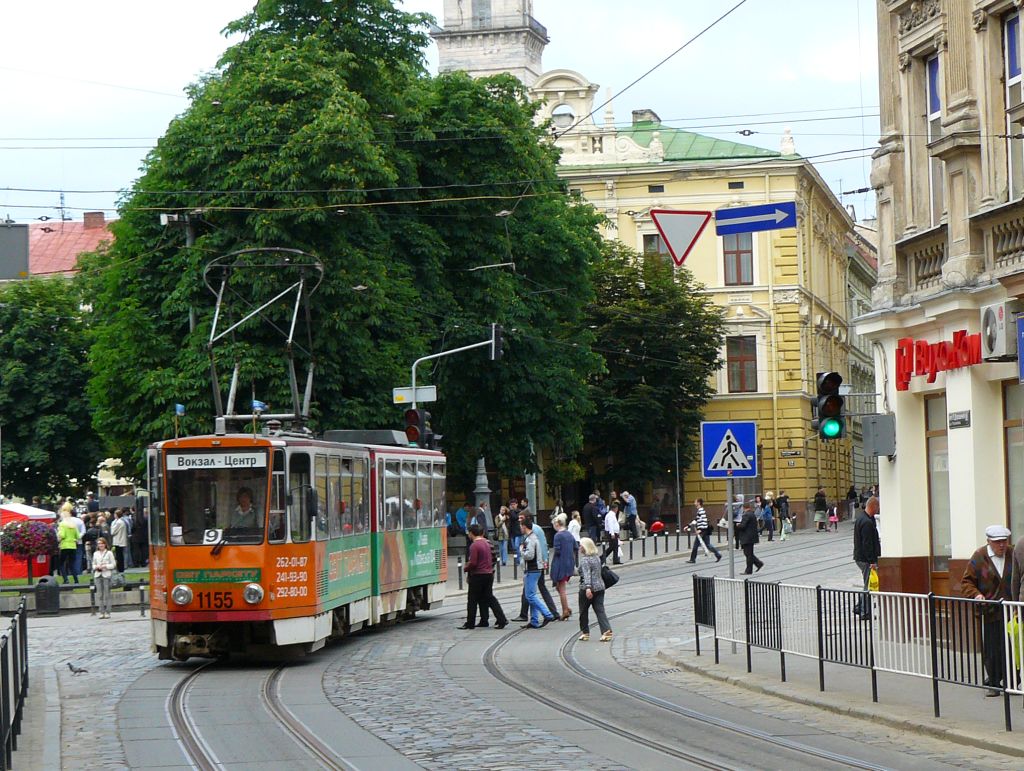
(441, 355)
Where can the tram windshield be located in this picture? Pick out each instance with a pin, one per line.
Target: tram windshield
(216, 497)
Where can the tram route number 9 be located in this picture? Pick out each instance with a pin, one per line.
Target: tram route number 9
(291, 562)
(215, 600)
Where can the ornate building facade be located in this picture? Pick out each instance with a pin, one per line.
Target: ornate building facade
(949, 177)
(786, 293)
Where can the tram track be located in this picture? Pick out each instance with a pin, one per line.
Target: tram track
(202, 756)
(698, 719)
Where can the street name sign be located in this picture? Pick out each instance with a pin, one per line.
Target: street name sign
(423, 394)
(680, 230)
(750, 219)
(728, 448)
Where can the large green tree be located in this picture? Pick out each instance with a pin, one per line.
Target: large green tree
(660, 338)
(48, 438)
(321, 131)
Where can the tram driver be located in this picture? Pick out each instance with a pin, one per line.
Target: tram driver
(245, 513)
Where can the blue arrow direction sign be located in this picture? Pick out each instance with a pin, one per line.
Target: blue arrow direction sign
(728, 449)
(750, 219)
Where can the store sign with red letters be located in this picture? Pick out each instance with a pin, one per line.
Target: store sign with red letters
(921, 358)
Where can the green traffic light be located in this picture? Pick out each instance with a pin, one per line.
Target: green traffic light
(831, 428)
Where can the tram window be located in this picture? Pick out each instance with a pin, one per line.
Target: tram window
(392, 496)
(438, 494)
(299, 485)
(422, 502)
(408, 495)
(337, 497)
(277, 529)
(345, 486)
(360, 513)
(157, 519)
(216, 502)
(321, 498)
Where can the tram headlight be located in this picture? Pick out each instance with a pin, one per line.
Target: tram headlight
(181, 595)
(253, 594)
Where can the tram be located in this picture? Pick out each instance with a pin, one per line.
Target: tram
(278, 541)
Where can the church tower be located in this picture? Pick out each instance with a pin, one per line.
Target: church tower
(485, 37)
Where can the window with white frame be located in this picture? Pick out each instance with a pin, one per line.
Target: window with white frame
(933, 100)
(741, 363)
(738, 253)
(1012, 78)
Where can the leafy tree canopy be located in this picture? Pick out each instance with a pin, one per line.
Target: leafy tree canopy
(660, 339)
(321, 131)
(48, 439)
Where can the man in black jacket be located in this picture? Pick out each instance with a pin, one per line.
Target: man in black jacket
(591, 519)
(746, 533)
(867, 548)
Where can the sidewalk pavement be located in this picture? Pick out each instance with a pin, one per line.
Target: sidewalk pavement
(968, 717)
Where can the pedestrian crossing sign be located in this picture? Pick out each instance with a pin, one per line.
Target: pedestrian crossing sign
(728, 449)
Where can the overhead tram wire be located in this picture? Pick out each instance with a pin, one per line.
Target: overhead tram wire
(621, 91)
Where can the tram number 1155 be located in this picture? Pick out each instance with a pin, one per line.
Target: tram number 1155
(215, 600)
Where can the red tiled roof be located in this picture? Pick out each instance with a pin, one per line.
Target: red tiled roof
(53, 247)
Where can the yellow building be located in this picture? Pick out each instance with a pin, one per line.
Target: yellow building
(786, 293)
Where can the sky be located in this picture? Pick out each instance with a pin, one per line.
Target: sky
(87, 88)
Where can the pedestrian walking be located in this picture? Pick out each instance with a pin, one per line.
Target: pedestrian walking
(833, 518)
(820, 510)
(867, 548)
(529, 553)
(611, 527)
(514, 531)
(103, 563)
(501, 525)
(767, 519)
(591, 522)
(67, 540)
(987, 577)
(852, 502)
(563, 562)
(480, 570)
(748, 537)
(630, 502)
(119, 537)
(592, 591)
(703, 530)
(782, 511)
(575, 527)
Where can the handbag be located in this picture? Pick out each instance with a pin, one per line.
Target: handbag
(608, 577)
(723, 523)
(117, 581)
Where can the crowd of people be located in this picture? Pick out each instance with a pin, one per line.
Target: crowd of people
(101, 542)
(573, 552)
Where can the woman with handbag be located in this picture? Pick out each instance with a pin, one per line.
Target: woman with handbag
(501, 526)
(592, 591)
(103, 565)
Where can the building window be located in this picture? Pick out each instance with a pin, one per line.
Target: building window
(1013, 428)
(934, 101)
(938, 483)
(1012, 78)
(735, 185)
(655, 244)
(741, 363)
(739, 259)
(481, 14)
(655, 188)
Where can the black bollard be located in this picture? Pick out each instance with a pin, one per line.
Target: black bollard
(643, 547)
(655, 546)
(630, 551)
(666, 542)
(677, 540)
(142, 598)
(515, 571)
(497, 572)
(92, 599)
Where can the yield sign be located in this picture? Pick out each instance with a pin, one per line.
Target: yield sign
(680, 229)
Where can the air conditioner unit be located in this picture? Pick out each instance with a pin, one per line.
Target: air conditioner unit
(999, 331)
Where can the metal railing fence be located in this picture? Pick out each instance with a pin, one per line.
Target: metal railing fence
(13, 682)
(950, 640)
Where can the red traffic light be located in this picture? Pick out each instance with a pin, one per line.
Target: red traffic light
(413, 421)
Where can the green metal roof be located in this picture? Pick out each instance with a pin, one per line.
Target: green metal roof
(686, 146)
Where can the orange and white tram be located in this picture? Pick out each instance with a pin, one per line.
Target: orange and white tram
(280, 541)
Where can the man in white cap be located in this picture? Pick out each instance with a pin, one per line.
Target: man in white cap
(987, 577)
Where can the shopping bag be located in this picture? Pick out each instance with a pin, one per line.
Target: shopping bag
(873, 580)
(1013, 631)
(608, 577)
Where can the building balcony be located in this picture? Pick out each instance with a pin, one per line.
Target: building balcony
(922, 257)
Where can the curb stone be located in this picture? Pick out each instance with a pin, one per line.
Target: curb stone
(878, 713)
